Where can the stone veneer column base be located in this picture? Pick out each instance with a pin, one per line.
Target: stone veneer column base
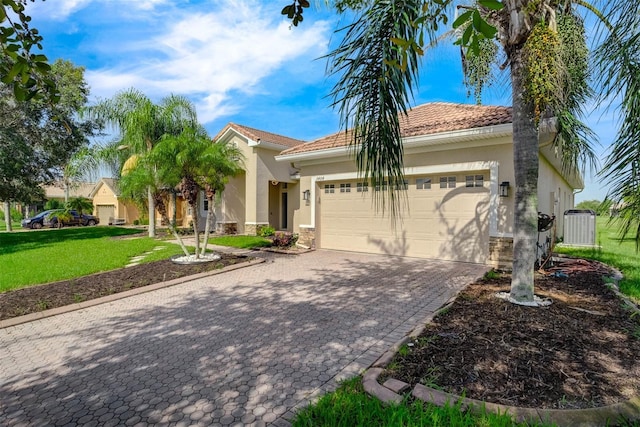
(307, 237)
(227, 227)
(501, 252)
(254, 229)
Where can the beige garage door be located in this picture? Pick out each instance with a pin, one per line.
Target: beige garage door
(445, 217)
(106, 213)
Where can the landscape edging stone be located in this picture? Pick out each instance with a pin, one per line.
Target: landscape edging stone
(120, 295)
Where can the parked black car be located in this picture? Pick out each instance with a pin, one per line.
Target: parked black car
(36, 221)
(51, 220)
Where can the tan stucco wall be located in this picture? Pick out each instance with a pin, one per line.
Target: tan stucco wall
(251, 198)
(234, 202)
(554, 194)
(499, 150)
(105, 196)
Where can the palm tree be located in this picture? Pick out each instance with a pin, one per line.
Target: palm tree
(145, 174)
(80, 204)
(82, 164)
(219, 162)
(141, 124)
(190, 162)
(620, 76)
(544, 48)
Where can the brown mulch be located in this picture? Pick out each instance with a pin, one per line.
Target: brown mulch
(42, 297)
(582, 351)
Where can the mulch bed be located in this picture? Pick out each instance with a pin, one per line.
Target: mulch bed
(42, 297)
(582, 351)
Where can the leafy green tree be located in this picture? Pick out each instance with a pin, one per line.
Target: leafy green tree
(543, 49)
(41, 137)
(27, 73)
(594, 205)
(141, 124)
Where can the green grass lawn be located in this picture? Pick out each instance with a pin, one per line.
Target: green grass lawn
(242, 242)
(34, 257)
(350, 406)
(14, 226)
(615, 252)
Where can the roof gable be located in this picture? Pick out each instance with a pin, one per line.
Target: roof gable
(109, 182)
(425, 119)
(259, 136)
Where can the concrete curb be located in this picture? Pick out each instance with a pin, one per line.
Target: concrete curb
(120, 295)
(388, 392)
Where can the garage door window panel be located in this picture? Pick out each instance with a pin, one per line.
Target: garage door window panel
(362, 187)
(474, 181)
(448, 182)
(329, 188)
(345, 188)
(423, 183)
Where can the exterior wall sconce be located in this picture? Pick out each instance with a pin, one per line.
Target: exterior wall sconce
(504, 189)
(306, 195)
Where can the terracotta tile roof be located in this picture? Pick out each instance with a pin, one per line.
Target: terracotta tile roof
(425, 119)
(76, 189)
(260, 135)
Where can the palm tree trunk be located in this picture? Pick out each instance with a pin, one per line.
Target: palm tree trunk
(211, 219)
(525, 161)
(152, 213)
(7, 215)
(195, 208)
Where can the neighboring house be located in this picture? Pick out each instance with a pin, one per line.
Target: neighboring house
(267, 193)
(76, 189)
(456, 158)
(113, 209)
(56, 191)
(109, 206)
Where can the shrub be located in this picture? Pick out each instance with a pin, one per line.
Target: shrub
(16, 215)
(53, 204)
(136, 222)
(284, 240)
(267, 232)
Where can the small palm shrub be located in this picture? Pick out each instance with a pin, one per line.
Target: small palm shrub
(267, 232)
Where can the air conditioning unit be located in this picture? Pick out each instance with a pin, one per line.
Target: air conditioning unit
(580, 227)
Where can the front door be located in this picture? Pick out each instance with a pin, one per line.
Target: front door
(283, 211)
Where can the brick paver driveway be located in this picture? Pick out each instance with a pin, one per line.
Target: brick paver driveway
(247, 346)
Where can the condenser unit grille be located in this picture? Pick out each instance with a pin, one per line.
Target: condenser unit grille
(580, 227)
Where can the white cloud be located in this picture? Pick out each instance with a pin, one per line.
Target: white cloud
(208, 56)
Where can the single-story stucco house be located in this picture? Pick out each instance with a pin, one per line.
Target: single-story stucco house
(458, 159)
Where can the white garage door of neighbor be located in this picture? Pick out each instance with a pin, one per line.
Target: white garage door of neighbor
(449, 223)
(106, 213)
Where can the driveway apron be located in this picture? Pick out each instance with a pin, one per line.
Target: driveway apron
(249, 346)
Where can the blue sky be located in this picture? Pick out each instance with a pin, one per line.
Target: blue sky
(238, 61)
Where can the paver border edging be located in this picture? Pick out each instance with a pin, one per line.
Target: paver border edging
(592, 417)
(120, 295)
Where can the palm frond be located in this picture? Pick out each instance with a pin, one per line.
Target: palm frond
(377, 63)
(619, 79)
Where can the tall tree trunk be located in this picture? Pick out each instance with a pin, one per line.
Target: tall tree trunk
(195, 208)
(162, 209)
(7, 215)
(174, 207)
(211, 220)
(525, 163)
(152, 213)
